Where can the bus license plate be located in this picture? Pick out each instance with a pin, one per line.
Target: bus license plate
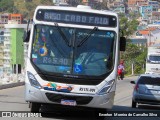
(69, 102)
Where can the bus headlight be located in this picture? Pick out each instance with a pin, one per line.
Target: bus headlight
(107, 87)
(33, 81)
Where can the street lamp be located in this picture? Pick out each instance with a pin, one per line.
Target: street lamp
(149, 37)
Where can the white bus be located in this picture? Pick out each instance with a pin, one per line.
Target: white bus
(153, 59)
(72, 57)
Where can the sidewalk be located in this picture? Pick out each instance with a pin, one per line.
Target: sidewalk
(11, 80)
(11, 85)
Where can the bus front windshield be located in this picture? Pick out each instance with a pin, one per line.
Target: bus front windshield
(73, 51)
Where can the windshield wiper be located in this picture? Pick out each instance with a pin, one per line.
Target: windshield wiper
(86, 38)
(62, 34)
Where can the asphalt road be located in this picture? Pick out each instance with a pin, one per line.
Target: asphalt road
(12, 99)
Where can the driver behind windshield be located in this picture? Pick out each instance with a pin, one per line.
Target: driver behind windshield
(93, 58)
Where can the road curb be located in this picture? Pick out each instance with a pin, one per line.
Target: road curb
(11, 85)
(128, 76)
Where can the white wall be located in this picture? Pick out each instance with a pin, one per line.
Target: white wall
(58, 1)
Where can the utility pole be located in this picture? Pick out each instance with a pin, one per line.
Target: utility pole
(132, 68)
(149, 37)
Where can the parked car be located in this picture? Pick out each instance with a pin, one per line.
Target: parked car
(146, 90)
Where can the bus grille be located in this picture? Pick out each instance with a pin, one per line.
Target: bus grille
(81, 100)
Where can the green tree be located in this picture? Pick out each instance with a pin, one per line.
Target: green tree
(30, 6)
(6, 5)
(13, 10)
(134, 15)
(140, 61)
(30, 9)
(46, 2)
(127, 26)
(131, 51)
(134, 55)
(25, 14)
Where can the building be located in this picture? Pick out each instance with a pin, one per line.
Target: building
(1, 35)
(1, 50)
(4, 18)
(146, 12)
(154, 4)
(16, 17)
(56, 2)
(6, 52)
(141, 2)
(155, 17)
(151, 34)
(1, 26)
(132, 3)
(14, 47)
(119, 7)
(91, 3)
(1, 58)
(139, 41)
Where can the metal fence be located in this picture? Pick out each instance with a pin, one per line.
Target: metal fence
(134, 67)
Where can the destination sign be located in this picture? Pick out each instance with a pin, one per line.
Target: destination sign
(79, 18)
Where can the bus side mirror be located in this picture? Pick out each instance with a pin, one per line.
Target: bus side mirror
(122, 43)
(26, 36)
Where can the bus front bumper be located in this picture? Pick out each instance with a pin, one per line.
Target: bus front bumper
(51, 97)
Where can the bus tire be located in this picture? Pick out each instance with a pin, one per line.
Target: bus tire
(34, 107)
(134, 104)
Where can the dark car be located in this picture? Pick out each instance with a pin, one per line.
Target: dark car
(146, 90)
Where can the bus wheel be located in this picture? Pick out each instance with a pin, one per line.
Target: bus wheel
(134, 104)
(34, 107)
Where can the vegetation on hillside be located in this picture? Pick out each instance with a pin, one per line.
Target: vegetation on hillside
(27, 7)
(22, 6)
(6, 5)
